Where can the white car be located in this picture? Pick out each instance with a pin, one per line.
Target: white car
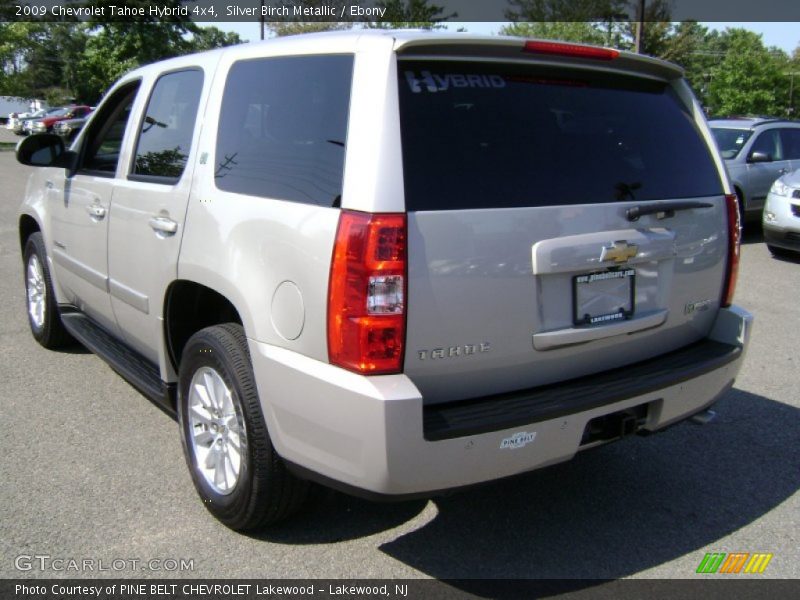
(781, 217)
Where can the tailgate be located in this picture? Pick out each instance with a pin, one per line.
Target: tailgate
(525, 267)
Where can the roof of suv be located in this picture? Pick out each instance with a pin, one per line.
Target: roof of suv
(749, 122)
(415, 41)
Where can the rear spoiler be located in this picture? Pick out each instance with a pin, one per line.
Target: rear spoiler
(512, 49)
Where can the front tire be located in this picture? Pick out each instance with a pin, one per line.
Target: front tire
(43, 316)
(234, 468)
(779, 252)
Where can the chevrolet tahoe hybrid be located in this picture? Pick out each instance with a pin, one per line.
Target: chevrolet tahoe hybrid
(393, 262)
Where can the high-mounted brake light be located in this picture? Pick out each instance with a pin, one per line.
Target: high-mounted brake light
(366, 294)
(574, 50)
(734, 235)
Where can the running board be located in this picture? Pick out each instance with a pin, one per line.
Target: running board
(135, 368)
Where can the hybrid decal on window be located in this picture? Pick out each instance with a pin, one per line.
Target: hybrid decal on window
(434, 82)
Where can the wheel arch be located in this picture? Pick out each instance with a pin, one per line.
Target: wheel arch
(190, 306)
(28, 225)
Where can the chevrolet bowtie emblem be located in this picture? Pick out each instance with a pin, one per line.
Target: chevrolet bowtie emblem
(619, 252)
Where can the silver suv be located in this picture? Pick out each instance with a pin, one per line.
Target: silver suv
(756, 151)
(393, 262)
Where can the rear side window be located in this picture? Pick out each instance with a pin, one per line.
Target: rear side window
(497, 136)
(790, 140)
(165, 137)
(283, 127)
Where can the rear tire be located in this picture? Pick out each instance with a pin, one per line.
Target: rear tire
(43, 316)
(234, 467)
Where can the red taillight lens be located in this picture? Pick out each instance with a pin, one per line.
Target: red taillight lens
(734, 235)
(574, 50)
(366, 294)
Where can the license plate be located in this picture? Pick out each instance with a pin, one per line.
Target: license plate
(603, 297)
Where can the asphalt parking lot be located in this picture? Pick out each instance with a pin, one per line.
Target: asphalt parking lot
(91, 469)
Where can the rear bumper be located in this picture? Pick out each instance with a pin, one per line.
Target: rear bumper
(373, 434)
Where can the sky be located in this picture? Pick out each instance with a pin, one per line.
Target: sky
(785, 36)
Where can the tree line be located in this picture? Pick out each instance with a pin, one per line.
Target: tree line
(731, 71)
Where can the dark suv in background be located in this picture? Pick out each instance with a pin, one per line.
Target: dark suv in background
(757, 151)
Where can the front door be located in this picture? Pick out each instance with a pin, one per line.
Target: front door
(81, 207)
(149, 207)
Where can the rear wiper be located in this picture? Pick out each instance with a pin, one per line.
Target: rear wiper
(663, 210)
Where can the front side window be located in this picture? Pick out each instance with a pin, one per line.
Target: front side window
(283, 128)
(165, 137)
(769, 143)
(104, 138)
(730, 141)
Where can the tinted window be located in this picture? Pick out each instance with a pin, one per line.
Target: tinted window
(283, 127)
(768, 142)
(104, 138)
(488, 136)
(730, 141)
(168, 124)
(790, 139)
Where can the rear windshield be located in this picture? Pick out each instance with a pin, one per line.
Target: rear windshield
(730, 141)
(502, 136)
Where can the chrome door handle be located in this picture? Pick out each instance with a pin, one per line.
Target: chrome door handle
(163, 225)
(96, 211)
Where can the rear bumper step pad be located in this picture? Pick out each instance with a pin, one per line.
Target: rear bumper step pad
(512, 409)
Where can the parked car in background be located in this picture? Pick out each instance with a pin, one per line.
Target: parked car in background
(757, 151)
(69, 128)
(15, 107)
(46, 123)
(17, 123)
(781, 217)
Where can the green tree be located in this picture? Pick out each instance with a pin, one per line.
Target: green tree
(208, 38)
(570, 31)
(749, 79)
(563, 10)
(694, 48)
(292, 27)
(411, 14)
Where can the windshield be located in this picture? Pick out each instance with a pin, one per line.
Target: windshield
(730, 141)
(58, 112)
(505, 136)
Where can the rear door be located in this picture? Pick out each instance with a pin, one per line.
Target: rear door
(524, 265)
(790, 138)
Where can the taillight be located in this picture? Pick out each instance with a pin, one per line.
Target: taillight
(366, 294)
(734, 235)
(574, 50)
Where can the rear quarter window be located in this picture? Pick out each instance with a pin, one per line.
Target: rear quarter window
(495, 136)
(283, 128)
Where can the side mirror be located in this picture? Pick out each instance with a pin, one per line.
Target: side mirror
(45, 150)
(759, 157)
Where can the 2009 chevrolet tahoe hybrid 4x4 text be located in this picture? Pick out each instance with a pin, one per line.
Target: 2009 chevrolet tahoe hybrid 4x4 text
(395, 262)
